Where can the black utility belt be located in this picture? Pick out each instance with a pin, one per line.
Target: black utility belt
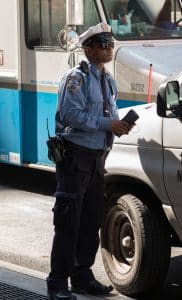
(83, 148)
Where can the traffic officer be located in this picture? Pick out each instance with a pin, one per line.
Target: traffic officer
(87, 117)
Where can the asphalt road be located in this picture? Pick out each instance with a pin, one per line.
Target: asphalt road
(18, 185)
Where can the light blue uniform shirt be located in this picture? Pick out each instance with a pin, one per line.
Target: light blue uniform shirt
(80, 107)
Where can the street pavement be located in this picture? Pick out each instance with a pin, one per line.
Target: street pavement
(26, 240)
(26, 232)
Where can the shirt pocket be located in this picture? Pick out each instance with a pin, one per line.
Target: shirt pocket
(95, 103)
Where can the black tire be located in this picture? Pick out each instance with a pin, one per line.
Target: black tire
(135, 245)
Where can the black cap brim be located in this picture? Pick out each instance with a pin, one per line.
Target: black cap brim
(104, 37)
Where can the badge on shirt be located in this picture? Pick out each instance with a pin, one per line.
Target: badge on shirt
(74, 83)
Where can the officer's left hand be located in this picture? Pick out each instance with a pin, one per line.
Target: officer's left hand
(119, 127)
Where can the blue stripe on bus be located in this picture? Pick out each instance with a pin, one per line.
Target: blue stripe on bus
(10, 123)
(127, 103)
(23, 116)
(37, 107)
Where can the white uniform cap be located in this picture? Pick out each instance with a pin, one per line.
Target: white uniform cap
(92, 31)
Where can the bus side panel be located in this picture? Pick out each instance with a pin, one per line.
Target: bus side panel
(10, 126)
(10, 94)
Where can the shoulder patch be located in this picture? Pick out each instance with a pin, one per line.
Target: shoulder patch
(74, 83)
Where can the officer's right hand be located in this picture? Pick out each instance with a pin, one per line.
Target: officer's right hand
(119, 127)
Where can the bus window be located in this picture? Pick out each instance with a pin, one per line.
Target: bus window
(144, 19)
(45, 18)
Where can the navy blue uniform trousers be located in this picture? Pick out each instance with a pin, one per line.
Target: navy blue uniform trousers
(77, 213)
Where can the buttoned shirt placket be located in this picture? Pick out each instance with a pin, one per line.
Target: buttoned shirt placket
(106, 112)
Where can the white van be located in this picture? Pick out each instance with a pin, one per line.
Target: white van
(143, 217)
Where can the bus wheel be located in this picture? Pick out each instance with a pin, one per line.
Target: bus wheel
(135, 245)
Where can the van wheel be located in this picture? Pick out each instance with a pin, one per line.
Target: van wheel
(135, 245)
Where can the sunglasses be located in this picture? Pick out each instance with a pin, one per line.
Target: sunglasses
(106, 46)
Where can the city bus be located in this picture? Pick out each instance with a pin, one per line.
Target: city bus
(37, 46)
